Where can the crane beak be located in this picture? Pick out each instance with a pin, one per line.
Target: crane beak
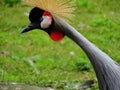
(34, 25)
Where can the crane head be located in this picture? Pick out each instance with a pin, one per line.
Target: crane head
(41, 19)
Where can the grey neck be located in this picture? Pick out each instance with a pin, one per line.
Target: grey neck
(107, 71)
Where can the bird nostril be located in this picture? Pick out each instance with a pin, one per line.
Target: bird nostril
(29, 26)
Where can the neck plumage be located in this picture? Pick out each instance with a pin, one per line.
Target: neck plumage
(107, 71)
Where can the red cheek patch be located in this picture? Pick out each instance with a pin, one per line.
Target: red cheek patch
(56, 35)
(47, 14)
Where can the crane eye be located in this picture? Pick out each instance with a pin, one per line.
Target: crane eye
(41, 19)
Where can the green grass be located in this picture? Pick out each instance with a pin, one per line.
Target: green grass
(33, 58)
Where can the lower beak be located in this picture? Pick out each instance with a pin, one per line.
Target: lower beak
(31, 26)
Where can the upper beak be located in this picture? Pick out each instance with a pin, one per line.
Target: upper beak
(34, 25)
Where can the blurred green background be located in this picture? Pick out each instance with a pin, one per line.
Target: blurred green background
(33, 58)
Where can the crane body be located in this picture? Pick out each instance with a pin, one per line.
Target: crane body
(48, 18)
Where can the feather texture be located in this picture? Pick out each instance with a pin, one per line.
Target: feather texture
(60, 8)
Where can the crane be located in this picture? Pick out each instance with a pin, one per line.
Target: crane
(106, 69)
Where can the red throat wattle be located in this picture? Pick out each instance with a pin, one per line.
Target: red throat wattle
(56, 35)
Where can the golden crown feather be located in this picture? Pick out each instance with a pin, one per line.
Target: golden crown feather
(60, 8)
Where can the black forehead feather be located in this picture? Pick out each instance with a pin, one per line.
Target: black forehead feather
(35, 14)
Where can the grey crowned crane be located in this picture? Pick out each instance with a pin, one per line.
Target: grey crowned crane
(46, 17)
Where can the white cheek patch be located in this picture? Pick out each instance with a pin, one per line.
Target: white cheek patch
(47, 21)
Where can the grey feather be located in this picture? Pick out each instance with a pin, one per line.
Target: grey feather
(106, 69)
